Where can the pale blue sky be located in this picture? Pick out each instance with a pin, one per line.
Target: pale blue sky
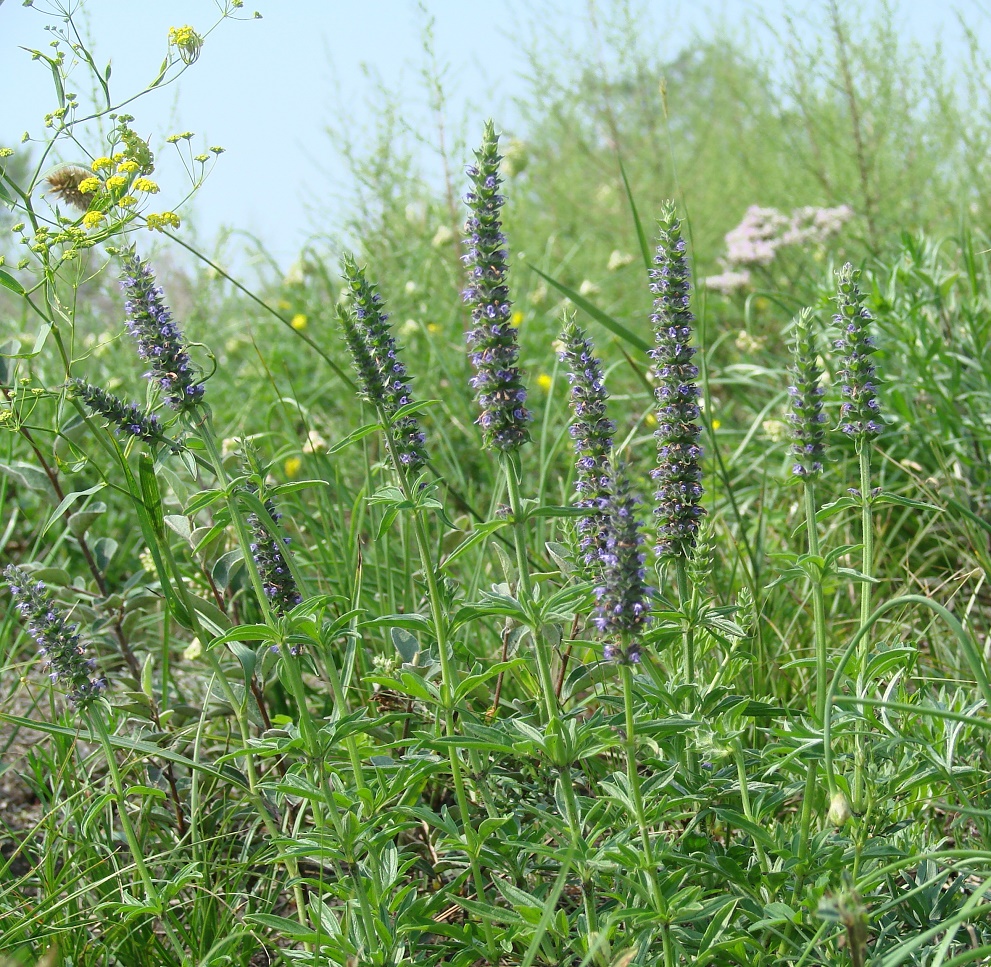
(266, 89)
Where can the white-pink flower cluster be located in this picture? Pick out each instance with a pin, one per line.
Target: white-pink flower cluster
(755, 242)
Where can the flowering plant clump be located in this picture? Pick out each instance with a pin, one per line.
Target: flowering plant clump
(273, 568)
(678, 472)
(384, 379)
(622, 595)
(591, 432)
(861, 411)
(493, 349)
(763, 232)
(159, 338)
(806, 394)
(58, 642)
(125, 417)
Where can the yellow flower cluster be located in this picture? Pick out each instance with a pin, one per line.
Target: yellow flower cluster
(114, 182)
(92, 219)
(128, 167)
(160, 221)
(146, 185)
(102, 163)
(89, 185)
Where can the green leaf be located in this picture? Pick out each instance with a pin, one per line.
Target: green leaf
(226, 565)
(617, 328)
(28, 476)
(480, 532)
(9, 282)
(285, 926)
(246, 633)
(104, 550)
(82, 520)
(648, 256)
(472, 682)
(353, 437)
(407, 646)
(67, 502)
(202, 501)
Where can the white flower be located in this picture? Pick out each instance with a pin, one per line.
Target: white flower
(442, 236)
(314, 443)
(588, 287)
(618, 260)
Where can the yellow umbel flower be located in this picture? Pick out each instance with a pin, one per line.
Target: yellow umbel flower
(159, 221)
(128, 167)
(89, 185)
(128, 201)
(115, 182)
(187, 42)
(92, 219)
(102, 163)
(298, 321)
(146, 185)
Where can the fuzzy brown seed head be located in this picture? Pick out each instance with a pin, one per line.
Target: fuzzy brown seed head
(64, 183)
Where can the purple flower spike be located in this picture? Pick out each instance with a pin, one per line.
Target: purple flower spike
(622, 597)
(591, 434)
(382, 375)
(678, 472)
(860, 412)
(807, 418)
(270, 557)
(159, 338)
(58, 643)
(492, 346)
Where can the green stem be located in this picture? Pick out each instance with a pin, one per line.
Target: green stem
(633, 776)
(867, 538)
(448, 678)
(575, 825)
(822, 671)
(741, 772)
(686, 600)
(151, 891)
(511, 465)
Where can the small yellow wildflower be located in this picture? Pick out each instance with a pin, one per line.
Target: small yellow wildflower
(118, 157)
(187, 41)
(650, 419)
(128, 167)
(6, 152)
(544, 382)
(146, 185)
(114, 182)
(92, 219)
(433, 327)
(160, 221)
(292, 467)
(298, 321)
(716, 424)
(102, 163)
(128, 201)
(517, 318)
(89, 185)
